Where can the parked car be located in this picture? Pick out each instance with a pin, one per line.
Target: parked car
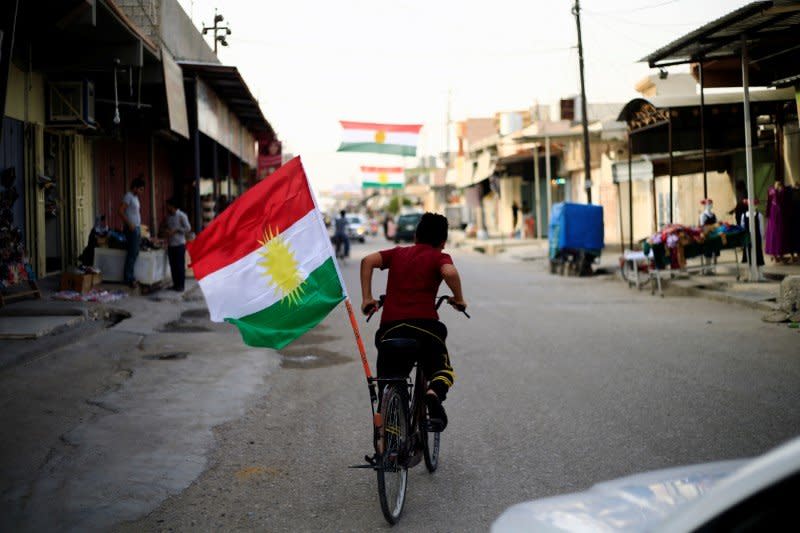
(357, 227)
(741, 495)
(406, 227)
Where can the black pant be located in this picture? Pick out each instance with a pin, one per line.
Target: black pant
(177, 264)
(431, 336)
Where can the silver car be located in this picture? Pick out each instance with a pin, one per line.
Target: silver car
(741, 495)
(357, 227)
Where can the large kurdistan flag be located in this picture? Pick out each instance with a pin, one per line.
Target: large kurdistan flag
(394, 139)
(265, 264)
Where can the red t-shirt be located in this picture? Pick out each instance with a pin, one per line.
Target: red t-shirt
(415, 273)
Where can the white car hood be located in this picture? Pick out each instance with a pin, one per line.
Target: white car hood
(635, 503)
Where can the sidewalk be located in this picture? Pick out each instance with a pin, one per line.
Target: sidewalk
(32, 328)
(721, 286)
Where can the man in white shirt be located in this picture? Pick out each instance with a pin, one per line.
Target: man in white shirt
(177, 228)
(130, 211)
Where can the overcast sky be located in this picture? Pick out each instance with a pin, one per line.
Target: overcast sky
(311, 63)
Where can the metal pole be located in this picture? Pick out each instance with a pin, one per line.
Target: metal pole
(537, 191)
(669, 141)
(619, 204)
(587, 161)
(748, 152)
(549, 174)
(630, 192)
(703, 130)
(151, 148)
(229, 176)
(215, 176)
(654, 203)
(198, 207)
(240, 190)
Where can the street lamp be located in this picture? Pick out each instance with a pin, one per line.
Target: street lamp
(217, 28)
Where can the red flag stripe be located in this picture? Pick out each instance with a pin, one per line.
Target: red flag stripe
(382, 169)
(276, 202)
(406, 128)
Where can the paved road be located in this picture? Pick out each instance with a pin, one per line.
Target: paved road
(562, 383)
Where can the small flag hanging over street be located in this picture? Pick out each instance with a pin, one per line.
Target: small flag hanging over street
(265, 263)
(394, 139)
(383, 177)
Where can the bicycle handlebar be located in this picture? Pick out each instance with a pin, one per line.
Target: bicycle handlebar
(374, 309)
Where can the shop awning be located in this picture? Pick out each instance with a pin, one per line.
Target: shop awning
(483, 168)
(771, 28)
(74, 36)
(648, 120)
(228, 84)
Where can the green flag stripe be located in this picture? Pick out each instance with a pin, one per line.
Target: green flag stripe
(281, 323)
(395, 149)
(379, 185)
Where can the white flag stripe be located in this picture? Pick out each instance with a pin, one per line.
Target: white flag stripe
(391, 177)
(243, 287)
(391, 137)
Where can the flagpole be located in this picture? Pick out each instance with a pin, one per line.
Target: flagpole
(373, 396)
(359, 341)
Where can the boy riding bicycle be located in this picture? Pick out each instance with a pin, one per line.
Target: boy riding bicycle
(415, 273)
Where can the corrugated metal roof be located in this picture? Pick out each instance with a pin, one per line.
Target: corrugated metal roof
(770, 27)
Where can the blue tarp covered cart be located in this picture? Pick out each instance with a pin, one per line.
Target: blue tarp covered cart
(576, 237)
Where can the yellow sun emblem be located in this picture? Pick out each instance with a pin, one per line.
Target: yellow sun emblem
(280, 266)
(383, 178)
(380, 136)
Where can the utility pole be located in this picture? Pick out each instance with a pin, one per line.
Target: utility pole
(587, 154)
(217, 28)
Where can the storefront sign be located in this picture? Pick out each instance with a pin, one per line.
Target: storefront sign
(176, 98)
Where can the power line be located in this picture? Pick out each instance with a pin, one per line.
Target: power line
(642, 8)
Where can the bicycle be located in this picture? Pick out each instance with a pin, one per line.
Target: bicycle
(403, 434)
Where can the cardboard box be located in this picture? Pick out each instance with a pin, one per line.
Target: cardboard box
(81, 283)
(97, 278)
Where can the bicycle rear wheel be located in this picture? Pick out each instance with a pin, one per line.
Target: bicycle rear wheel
(430, 442)
(392, 474)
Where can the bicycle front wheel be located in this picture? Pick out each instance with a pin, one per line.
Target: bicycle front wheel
(392, 472)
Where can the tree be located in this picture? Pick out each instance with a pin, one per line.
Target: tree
(394, 204)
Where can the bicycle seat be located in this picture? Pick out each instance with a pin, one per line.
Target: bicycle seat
(398, 346)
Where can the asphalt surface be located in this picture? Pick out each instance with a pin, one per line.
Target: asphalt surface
(167, 422)
(562, 383)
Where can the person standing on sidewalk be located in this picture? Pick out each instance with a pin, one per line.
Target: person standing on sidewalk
(130, 212)
(177, 228)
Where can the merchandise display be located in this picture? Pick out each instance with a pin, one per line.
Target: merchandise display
(676, 243)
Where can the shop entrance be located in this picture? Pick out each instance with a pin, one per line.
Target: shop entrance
(57, 167)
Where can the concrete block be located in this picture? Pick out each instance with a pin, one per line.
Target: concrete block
(789, 299)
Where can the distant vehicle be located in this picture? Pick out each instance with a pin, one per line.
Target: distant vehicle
(357, 227)
(741, 495)
(373, 225)
(406, 227)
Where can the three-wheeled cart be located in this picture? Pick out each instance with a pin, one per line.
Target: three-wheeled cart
(576, 238)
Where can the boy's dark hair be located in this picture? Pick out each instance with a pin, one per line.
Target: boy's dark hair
(174, 202)
(136, 183)
(431, 229)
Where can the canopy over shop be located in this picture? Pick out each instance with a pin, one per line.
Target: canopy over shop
(755, 44)
(223, 114)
